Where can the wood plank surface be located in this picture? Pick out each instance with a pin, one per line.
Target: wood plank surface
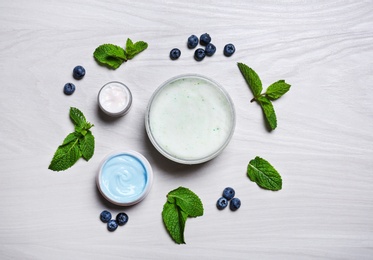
(322, 147)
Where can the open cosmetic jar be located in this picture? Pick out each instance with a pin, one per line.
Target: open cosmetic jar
(115, 99)
(190, 119)
(124, 178)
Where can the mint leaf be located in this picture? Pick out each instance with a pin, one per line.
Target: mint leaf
(264, 174)
(87, 146)
(187, 200)
(70, 138)
(80, 143)
(251, 78)
(77, 116)
(81, 124)
(134, 49)
(181, 203)
(174, 220)
(111, 55)
(277, 89)
(269, 111)
(65, 156)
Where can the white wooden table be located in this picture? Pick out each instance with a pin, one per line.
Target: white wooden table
(322, 147)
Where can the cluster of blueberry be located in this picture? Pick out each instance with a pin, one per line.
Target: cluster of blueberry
(112, 224)
(228, 195)
(78, 73)
(200, 53)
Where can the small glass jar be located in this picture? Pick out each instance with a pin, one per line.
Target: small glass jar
(115, 99)
(124, 178)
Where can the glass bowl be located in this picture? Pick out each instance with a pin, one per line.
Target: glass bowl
(190, 119)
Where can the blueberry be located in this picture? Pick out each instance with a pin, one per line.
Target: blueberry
(78, 72)
(210, 49)
(69, 88)
(192, 41)
(235, 204)
(112, 225)
(205, 39)
(175, 54)
(122, 218)
(229, 49)
(199, 54)
(105, 216)
(222, 203)
(228, 193)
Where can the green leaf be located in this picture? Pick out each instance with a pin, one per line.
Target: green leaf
(269, 111)
(187, 200)
(264, 174)
(133, 49)
(277, 89)
(181, 203)
(87, 146)
(111, 55)
(77, 116)
(81, 124)
(251, 78)
(75, 145)
(129, 44)
(65, 156)
(174, 220)
(70, 138)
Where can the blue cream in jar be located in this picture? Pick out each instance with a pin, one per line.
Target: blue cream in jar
(125, 178)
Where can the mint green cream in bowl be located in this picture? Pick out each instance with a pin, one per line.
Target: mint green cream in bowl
(190, 119)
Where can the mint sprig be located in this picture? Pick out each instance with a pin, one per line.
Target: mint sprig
(79, 143)
(113, 56)
(132, 49)
(273, 92)
(264, 174)
(181, 203)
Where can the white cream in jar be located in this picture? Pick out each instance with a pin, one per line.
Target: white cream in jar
(190, 119)
(115, 99)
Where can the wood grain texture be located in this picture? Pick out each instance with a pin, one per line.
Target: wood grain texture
(323, 146)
